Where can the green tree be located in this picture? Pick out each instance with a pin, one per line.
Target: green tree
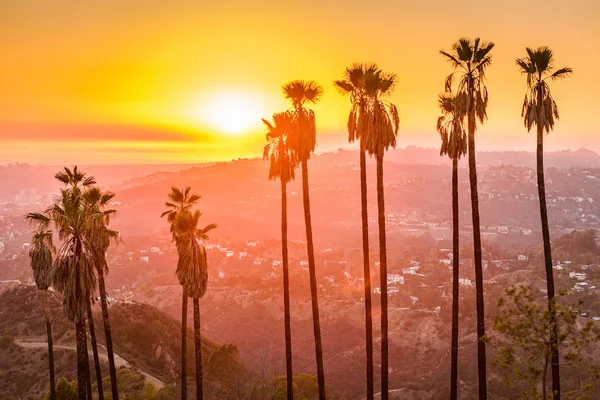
(526, 329)
(355, 83)
(65, 390)
(302, 141)
(180, 200)
(470, 59)
(306, 387)
(192, 272)
(40, 255)
(74, 276)
(454, 145)
(381, 131)
(540, 109)
(282, 162)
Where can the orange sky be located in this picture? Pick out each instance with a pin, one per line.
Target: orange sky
(168, 81)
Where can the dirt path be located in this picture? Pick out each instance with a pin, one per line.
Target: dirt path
(119, 361)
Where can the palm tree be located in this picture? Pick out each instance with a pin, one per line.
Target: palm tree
(282, 164)
(40, 255)
(302, 141)
(381, 131)
(540, 109)
(354, 83)
(90, 319)
(73, 275)
(97, 201)
(470, 59)
(192, 272)
(181, 200)
(454, 145)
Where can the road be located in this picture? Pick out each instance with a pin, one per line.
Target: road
(119, 361)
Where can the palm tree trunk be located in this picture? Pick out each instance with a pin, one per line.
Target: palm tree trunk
(108, 336)
(313, 282)
(383, 279)
(286, 294)
(184, 302)
(481, 357)
(544, 373)
(367, 271)
(455, 276)
(198, 349)
(548, 263)
(50, 349)
(95, 352)
(88, 376)
(81, 360)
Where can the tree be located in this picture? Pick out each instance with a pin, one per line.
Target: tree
(454, 145)
(381, 131)
(302, 141)
(354, 83)
(74, 276)
(470, 59)
(540, 109)
(282, 162)
(180, 200)
(526, 330)
(97, 201)
(40, 255)
(192, 272)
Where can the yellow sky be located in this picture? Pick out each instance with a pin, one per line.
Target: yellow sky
(182, 74)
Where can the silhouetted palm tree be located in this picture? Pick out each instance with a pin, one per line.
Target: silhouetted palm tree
(302, 141)
(282, 162)
(97, 201)
(540, 109)
(74, 276)
(181, 200)
(470, 58)
(382, 128)
(355, 83)
(40, 255)
(192, 272)
(454, 145)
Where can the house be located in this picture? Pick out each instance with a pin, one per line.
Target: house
(145, 259)
(521, 257)
(395, 279)
(154, 249)
(580, 276)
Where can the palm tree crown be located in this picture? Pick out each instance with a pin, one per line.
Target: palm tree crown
(179, 200)
(282, 160)
(539, 108)
(192, 269)
(470, 58)
(40, 254)
(303, 138)
(450, 127)
(382, 118)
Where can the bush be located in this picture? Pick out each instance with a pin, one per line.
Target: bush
(6, 341)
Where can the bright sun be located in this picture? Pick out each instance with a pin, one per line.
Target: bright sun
(232, 113)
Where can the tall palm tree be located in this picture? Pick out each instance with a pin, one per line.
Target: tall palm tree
(90, 319)
(282, 162)
(470, 59)
(454, 145)
(302, 141)
(73, 275)
(540, 109)
(40, 255)
(354, 84)
(382, 128)
(192, 272)
(98, 201)
(181, 200)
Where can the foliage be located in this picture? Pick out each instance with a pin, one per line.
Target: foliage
(65, 390)
(539, 107)
(282, 159)
(524, 326)
(40, 255)
(577, 244)
(306, 387)
(450, 127)
(179, 200)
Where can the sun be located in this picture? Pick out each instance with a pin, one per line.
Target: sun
(232, 113)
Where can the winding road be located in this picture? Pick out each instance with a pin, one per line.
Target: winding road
(119, 361)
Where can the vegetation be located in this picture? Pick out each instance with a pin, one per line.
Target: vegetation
(282, 162)
(358, 81)
(470, 59)
(526, 328)
(454, 145)
(302, 141)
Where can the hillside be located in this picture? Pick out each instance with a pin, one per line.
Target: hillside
(144, 338)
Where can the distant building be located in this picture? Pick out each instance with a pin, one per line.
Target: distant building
(395, 279)
(229, 253)
(154, 250)
(1, 247)
(145, 259)
(258, 261)
(521, 257)
(580, 276)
